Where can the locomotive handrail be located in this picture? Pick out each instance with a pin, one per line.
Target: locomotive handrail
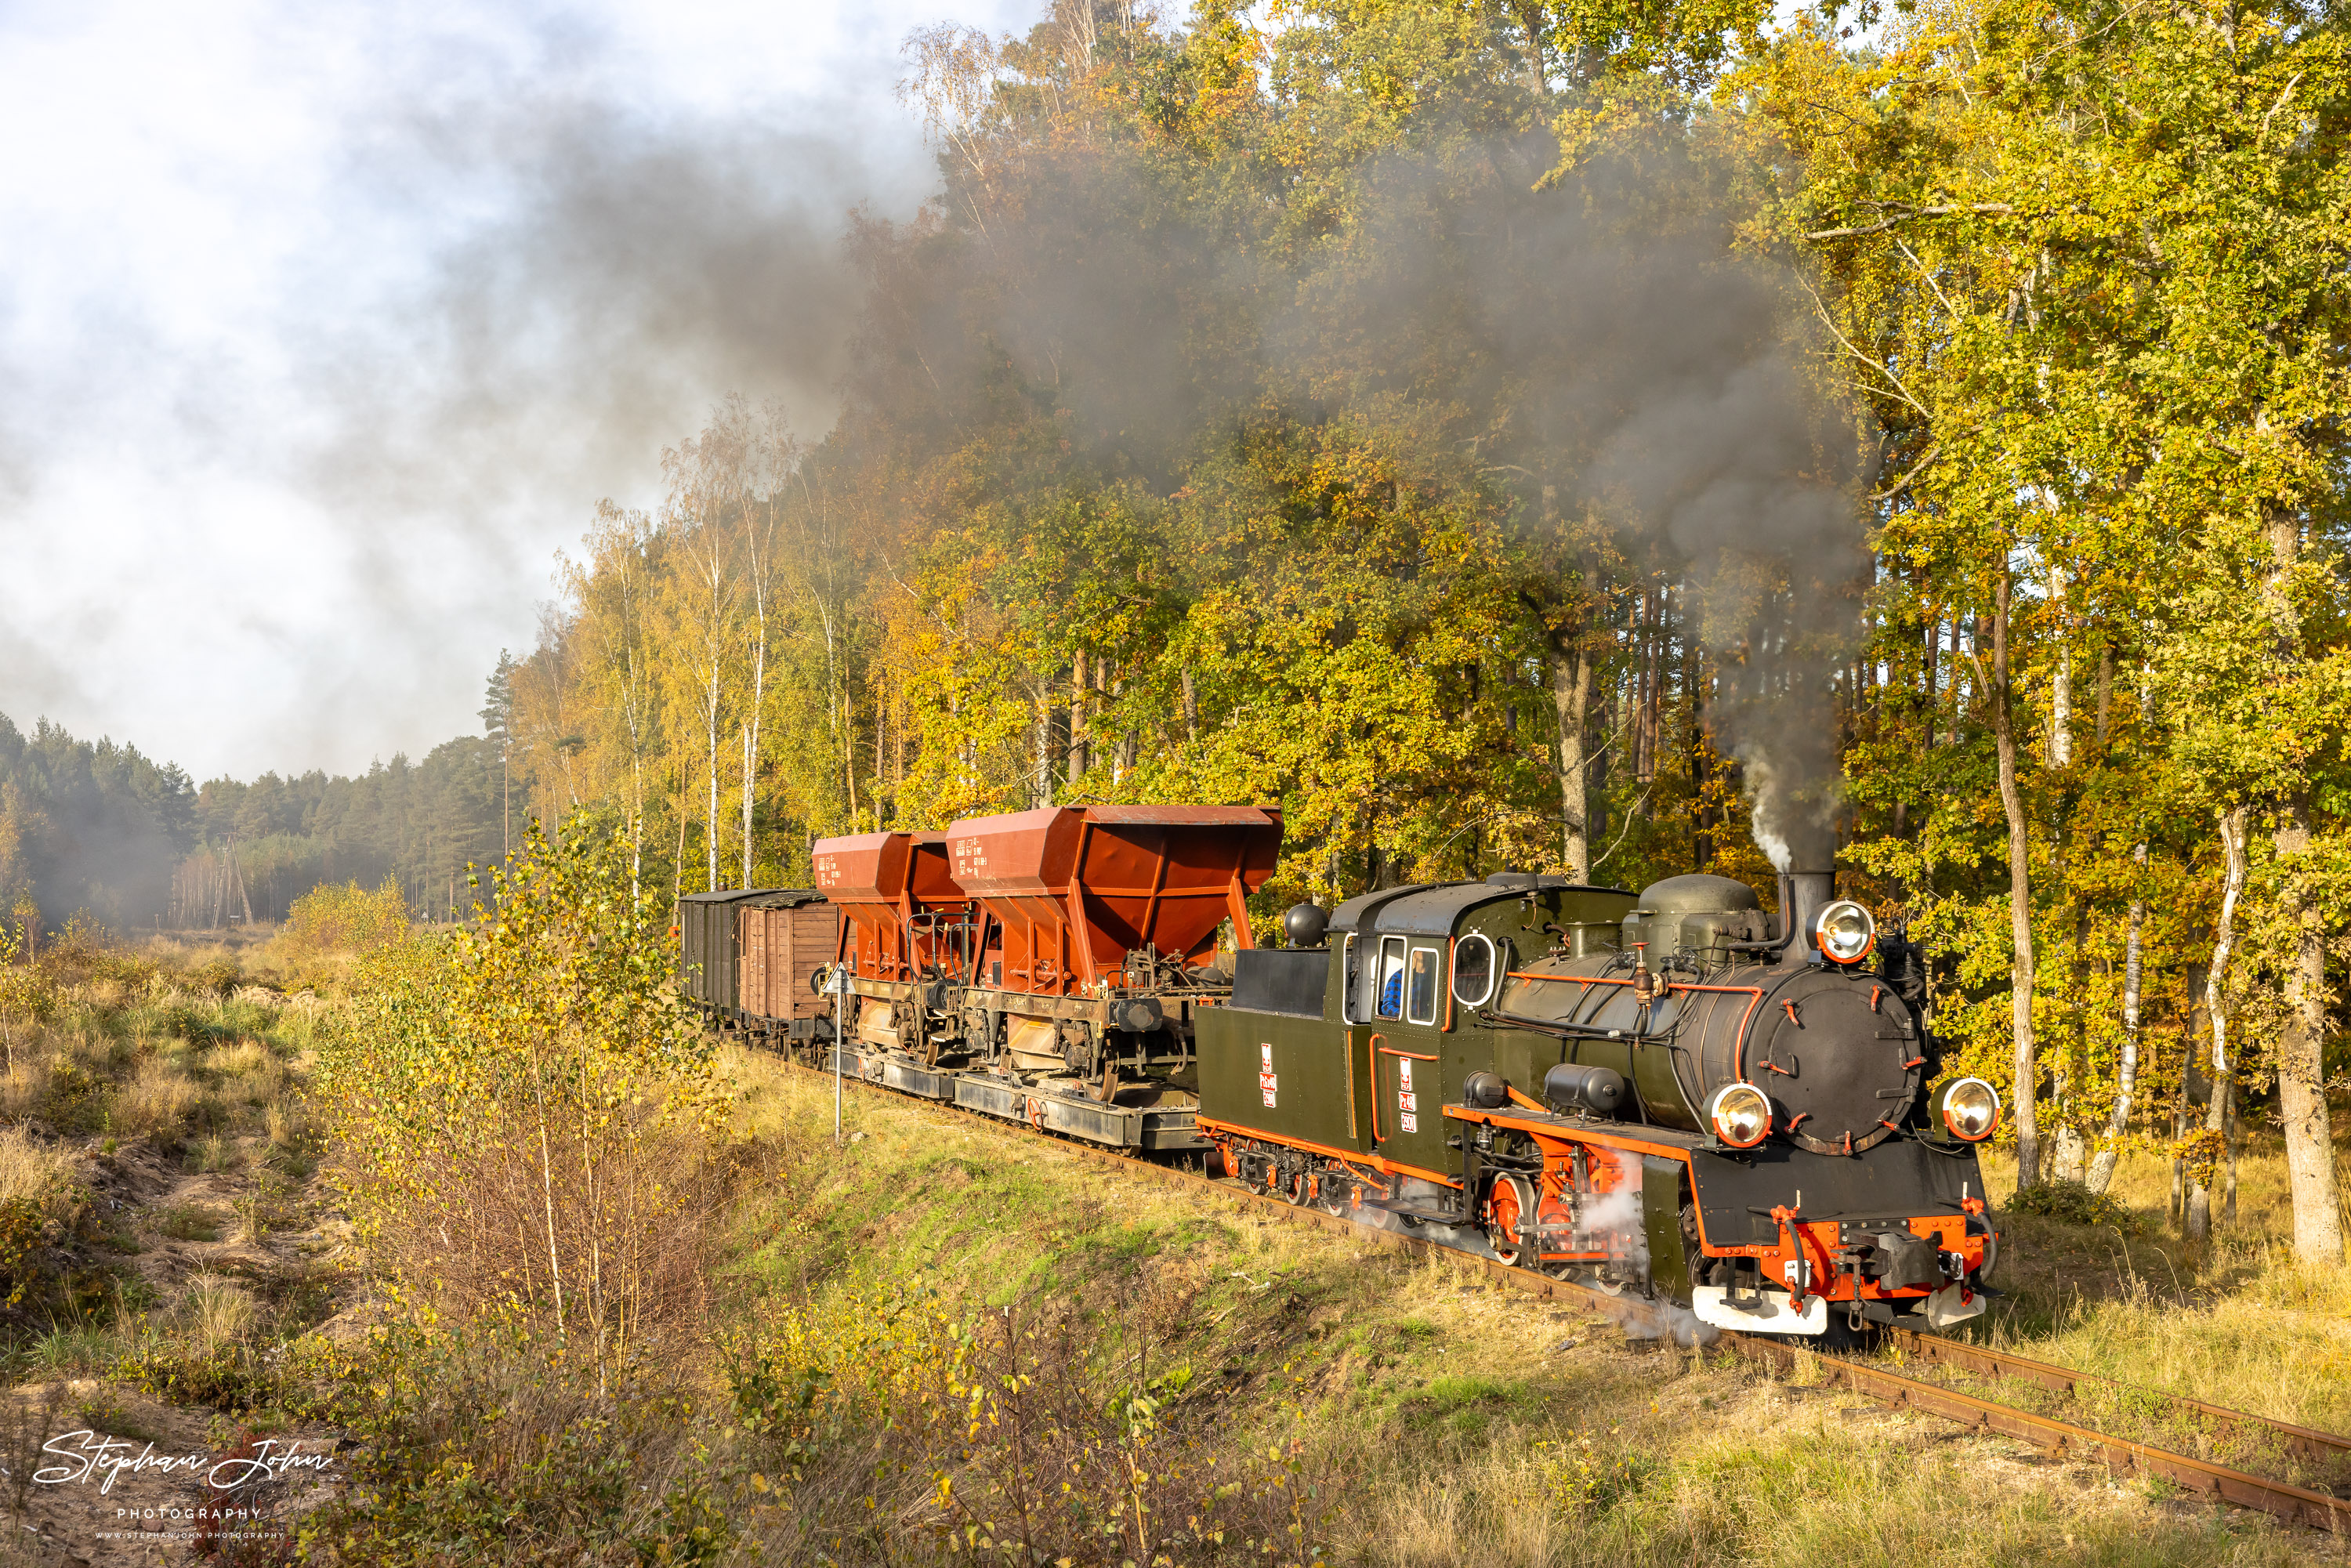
(1570, 1030)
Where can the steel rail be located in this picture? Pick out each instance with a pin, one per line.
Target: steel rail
(2282, 1499)
(2302, 1442)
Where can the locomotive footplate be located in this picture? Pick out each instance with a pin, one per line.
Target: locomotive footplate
(1148, 1129)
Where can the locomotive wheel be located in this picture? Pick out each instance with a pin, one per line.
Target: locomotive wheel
(1298, 1188)
(1510, 1205)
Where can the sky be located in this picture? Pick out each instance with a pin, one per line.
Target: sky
(324, 328)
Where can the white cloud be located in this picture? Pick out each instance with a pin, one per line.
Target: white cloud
(322, 328)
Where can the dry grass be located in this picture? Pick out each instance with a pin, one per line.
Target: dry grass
(2237, 1321)
(26, 1085)
(30, 1172)
(211, 1156)
(1473, 1425)
(156, 1103)
(216, 1313)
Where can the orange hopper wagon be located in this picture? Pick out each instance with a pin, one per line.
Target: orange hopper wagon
(1100, 930)
(906, 935)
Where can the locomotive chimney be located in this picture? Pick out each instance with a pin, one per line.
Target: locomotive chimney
(1802, 895)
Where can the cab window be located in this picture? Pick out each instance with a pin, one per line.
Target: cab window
(1421, 988)
(1473, 969)
(1391, 978)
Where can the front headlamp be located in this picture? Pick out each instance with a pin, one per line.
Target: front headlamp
(1739, 1114)
(1844, 932)
(1968, 1109)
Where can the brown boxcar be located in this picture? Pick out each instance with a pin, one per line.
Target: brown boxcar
(783, 940)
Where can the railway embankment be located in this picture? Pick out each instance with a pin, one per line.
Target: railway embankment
(1442, 1418)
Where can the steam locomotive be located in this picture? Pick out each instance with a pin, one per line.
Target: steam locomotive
(1674, 1094)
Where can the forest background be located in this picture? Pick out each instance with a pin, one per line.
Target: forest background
(1626, 441)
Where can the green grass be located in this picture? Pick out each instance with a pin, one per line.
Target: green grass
(184, 1222)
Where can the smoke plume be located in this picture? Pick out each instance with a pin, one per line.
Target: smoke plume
(1595, 344)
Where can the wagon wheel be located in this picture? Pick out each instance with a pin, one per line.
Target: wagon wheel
(1509, 1213)
(1330, 1193)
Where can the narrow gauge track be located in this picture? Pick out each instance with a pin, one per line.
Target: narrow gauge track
(2239, 1487)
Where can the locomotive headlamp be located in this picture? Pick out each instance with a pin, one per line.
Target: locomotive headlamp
(1845, 932)
(1739, 1114)
(1969, 1108)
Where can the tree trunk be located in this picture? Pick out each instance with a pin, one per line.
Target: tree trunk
(2061, 691)
(2224, 942)
(2102, 1169)
(2302, 1085)
(1080, 757)
(2183, 1108)
(2020, 895)
(2106, 692)
(2302, 1082)
(1570, 697)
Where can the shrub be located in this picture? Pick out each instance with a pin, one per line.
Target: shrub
(75, 1099)
(529, 1114)
(2073, 1203)
(488, 1446)
(37, 1195)
(344, 918)
(898, 1428)
(27, 995)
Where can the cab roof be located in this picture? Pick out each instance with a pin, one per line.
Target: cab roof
(1434, 909)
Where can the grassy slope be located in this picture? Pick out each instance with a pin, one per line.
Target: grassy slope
(1464, 1422)
(184, 1244)
(2241, 1325)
